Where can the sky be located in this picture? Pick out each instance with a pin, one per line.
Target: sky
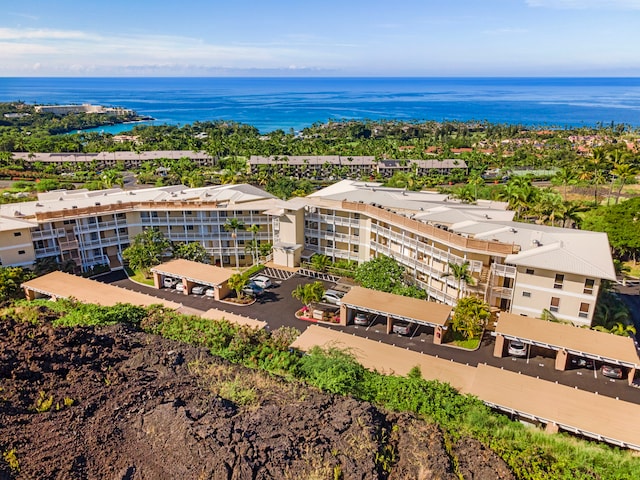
(320, 38)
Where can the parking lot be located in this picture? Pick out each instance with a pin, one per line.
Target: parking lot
(277, 307)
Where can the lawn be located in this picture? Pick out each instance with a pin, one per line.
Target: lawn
(139, 277)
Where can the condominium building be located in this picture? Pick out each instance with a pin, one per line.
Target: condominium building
(516, 267)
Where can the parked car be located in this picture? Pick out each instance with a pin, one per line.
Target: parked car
(581, 362)
(262, 281)
(180, 287)
(198, 290)
(611, 371)
(517, 348)
(210, 292)
(402, 328)
(332, 296)
(170, 282)
(252, 289)
(361, 319)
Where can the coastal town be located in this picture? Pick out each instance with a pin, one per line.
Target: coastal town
(494, 295)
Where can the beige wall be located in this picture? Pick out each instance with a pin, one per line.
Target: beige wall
(540, 287)
(292, 227)
(11, 245)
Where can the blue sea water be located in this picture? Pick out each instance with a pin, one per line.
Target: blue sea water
(295, 103)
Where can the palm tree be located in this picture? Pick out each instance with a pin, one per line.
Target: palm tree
(237, 282)
(460, 272)
(309, 292)
(254, 229)
(233, 225)
(624, 172)
(320, 263)
(565, 177)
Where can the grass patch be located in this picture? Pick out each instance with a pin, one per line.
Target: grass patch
(139, 277)
(459, 341)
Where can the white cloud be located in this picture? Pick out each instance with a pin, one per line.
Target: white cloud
(586, 4)
(40, 34)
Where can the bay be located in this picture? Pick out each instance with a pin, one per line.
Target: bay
(295, 103)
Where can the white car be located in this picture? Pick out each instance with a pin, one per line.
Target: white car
(180, 287)
(210, 292)
(262, 281)
(170, 282)
(332, 296)
(402, 328)
(198, 290)
(361, 319)
(517, 348)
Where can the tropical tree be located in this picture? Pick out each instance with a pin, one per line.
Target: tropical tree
(565, 177)
(380, 273)
(111, 177)
(254, 247)
(193, 251)
(10, 280)
(470, 317)
(237, 282)
(460, 272)
(320, 263)
(233, 225)
(147, 250)
(623, 172)
(309, 293)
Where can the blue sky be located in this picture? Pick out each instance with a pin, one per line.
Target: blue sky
(324, 38)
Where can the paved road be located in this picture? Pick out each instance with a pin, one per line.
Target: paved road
(278, 306)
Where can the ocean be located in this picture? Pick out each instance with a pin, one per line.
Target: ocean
(296, 103)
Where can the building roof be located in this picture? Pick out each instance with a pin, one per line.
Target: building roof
(573, 410)
(386, 358)
(586, 413)
(194, 271)
(226, 197)
(215, 314)
(406, 308)
(65, 285)
(11, 223)
(575, 340)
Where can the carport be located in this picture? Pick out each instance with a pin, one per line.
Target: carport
(566, 340)
(396, 307)
(194, 273)
(215, 314)
(64, 285)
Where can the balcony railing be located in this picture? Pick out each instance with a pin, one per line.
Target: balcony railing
(429, 231)
(46, 234)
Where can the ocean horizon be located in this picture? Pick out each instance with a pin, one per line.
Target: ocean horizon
(293, 103)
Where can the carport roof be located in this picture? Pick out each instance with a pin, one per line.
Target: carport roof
(397, 306)
(194, 271)
(571, 409)
(215, 314)
(596, 416)
(65, 285)
(575, 340)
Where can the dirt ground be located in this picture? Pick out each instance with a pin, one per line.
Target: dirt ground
(118, 404)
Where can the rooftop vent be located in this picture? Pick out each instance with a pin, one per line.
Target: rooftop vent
(513, 230)
(536, 242)
(97, 204)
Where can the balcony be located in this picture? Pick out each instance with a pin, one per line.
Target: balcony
(47, 252)
(47, 234)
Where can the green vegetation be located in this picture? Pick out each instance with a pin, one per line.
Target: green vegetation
(43, 403)
(470, 317)
(147, 250)
(386, 275)
(10, 280)
(309, 292)
(532, 454)
(11, 458)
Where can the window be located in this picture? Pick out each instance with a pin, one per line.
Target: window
(329, 243)
(120, 215)
(526, 294)
(554, 306)
(529, 271)
(584, 310)
(356, 249)
(189, 227)
(17, 234)
(557, 283)
(589, 283)
(122, 231)
(21, 252)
